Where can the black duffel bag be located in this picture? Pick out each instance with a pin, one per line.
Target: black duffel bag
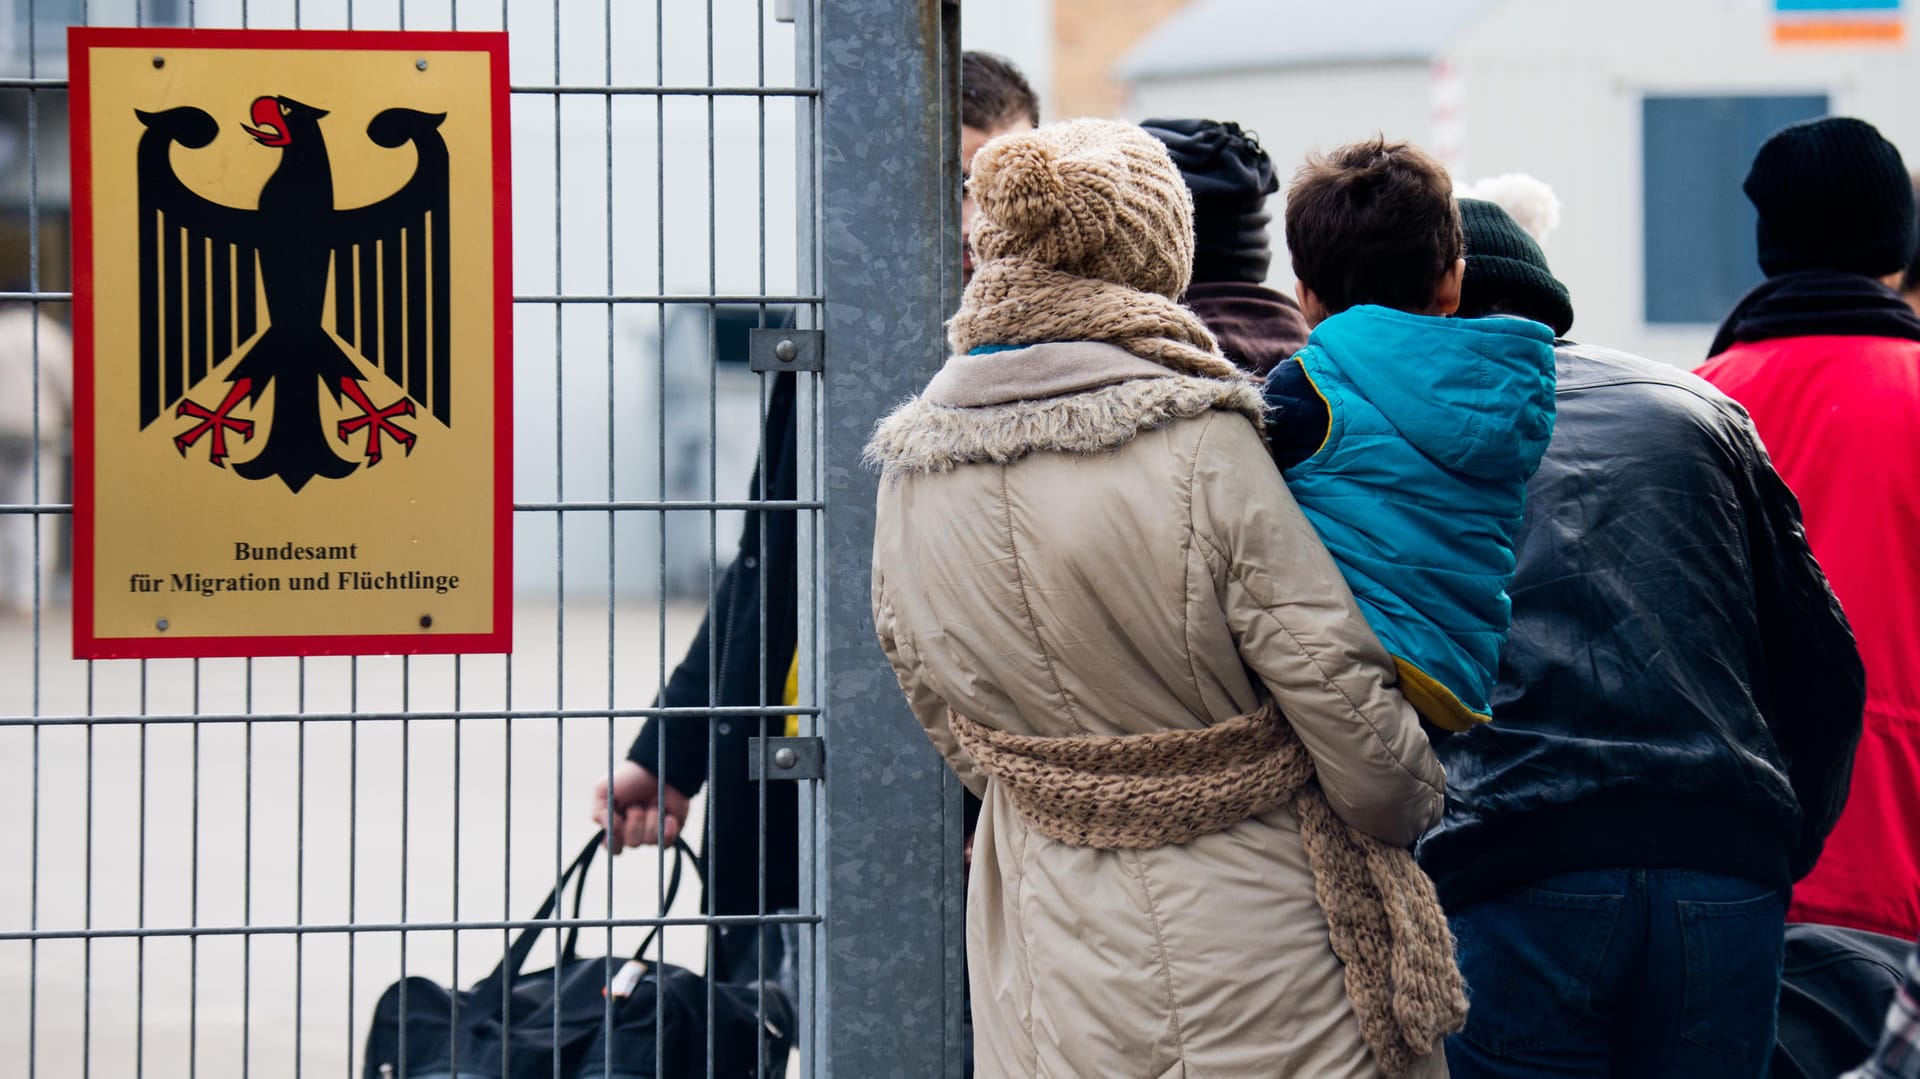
(655, 1029)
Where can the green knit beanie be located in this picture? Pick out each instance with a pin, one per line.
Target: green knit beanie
(1507, 272)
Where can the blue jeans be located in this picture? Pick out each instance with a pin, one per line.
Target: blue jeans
(1621, 972)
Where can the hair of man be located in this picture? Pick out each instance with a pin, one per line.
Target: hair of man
(993, 93)
(1373, 222)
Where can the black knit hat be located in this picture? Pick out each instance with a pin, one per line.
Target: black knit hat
(1507, 272)
(1832, 195)
(1230, 177)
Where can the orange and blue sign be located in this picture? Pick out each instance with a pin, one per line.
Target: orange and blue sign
(1839, 22)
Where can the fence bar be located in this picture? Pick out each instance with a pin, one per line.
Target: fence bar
(121, 720)
(678, 298)
(888, 995)
(681, 298)
(417, 926)
(670, 91)
(55, 509)
(294, 838)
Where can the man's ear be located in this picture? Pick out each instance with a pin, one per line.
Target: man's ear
(1310, 305)
(1446, 294)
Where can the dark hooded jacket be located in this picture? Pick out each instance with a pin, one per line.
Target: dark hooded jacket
(1257, 327)
(727, 666)
(1679, 689)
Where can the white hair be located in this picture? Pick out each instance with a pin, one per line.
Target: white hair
(1528, 199)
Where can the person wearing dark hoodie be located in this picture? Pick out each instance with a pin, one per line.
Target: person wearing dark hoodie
(1406, 436)
(1677, 705)
(1230, 177)
(1825, 356)
(1910, 280)
(745, 654)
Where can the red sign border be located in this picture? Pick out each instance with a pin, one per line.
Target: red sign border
(86, 645)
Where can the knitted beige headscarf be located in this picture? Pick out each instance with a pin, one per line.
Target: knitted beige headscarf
(1084, 233)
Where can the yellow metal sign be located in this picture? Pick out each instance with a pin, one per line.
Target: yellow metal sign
(293, 318)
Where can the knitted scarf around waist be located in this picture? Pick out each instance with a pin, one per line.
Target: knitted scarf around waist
(1171, 787)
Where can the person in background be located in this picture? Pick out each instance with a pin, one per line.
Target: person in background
(1676, 707)
(1526, 198)
(1112, 620)
(1825, 357)
(994, 100)
(35, 437)
(1910, 281)
(1230, 177)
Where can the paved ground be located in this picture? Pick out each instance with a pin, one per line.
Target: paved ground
(170, 825)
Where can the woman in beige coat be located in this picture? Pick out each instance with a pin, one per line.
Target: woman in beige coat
(1089, 578)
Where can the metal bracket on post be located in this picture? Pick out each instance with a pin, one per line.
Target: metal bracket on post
(773, 351)
(786, 758)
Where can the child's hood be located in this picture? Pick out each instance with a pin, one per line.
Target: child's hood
(1476, 395)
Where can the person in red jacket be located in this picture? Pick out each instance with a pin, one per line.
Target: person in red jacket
(1826, 358)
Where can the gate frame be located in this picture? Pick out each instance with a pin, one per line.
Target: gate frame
(880, 160)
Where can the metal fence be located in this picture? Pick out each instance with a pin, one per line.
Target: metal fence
(215, 867)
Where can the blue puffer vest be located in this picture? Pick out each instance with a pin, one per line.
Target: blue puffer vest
(1434, 426)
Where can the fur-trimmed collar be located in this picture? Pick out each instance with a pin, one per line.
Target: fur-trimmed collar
(1071, 397)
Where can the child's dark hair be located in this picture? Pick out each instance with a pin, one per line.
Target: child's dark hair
(993, 93)
(1373, 222)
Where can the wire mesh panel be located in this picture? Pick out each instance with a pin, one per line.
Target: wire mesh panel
(219, 867)
(888, 845)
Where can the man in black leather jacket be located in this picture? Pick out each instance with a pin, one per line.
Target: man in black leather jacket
(1673, 728)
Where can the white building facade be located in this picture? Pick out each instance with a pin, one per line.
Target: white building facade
(1642, 114)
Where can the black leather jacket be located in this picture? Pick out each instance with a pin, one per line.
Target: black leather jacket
(1679, 689)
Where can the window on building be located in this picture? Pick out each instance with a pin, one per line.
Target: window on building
(1700, 254)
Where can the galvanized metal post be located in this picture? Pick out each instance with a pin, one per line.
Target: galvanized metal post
(887, 843)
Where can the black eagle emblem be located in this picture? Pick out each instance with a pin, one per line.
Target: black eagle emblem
(208, 269)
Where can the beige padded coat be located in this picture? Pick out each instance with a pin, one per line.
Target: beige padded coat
(1071, 540)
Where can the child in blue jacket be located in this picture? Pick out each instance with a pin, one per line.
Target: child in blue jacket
(1406, 436)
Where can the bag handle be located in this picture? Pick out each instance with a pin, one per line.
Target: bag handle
(522, 946)
(628, 977)
(576, 874)
(681, 855)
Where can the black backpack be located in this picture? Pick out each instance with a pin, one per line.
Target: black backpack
(1835, 988)
(515, 1025)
